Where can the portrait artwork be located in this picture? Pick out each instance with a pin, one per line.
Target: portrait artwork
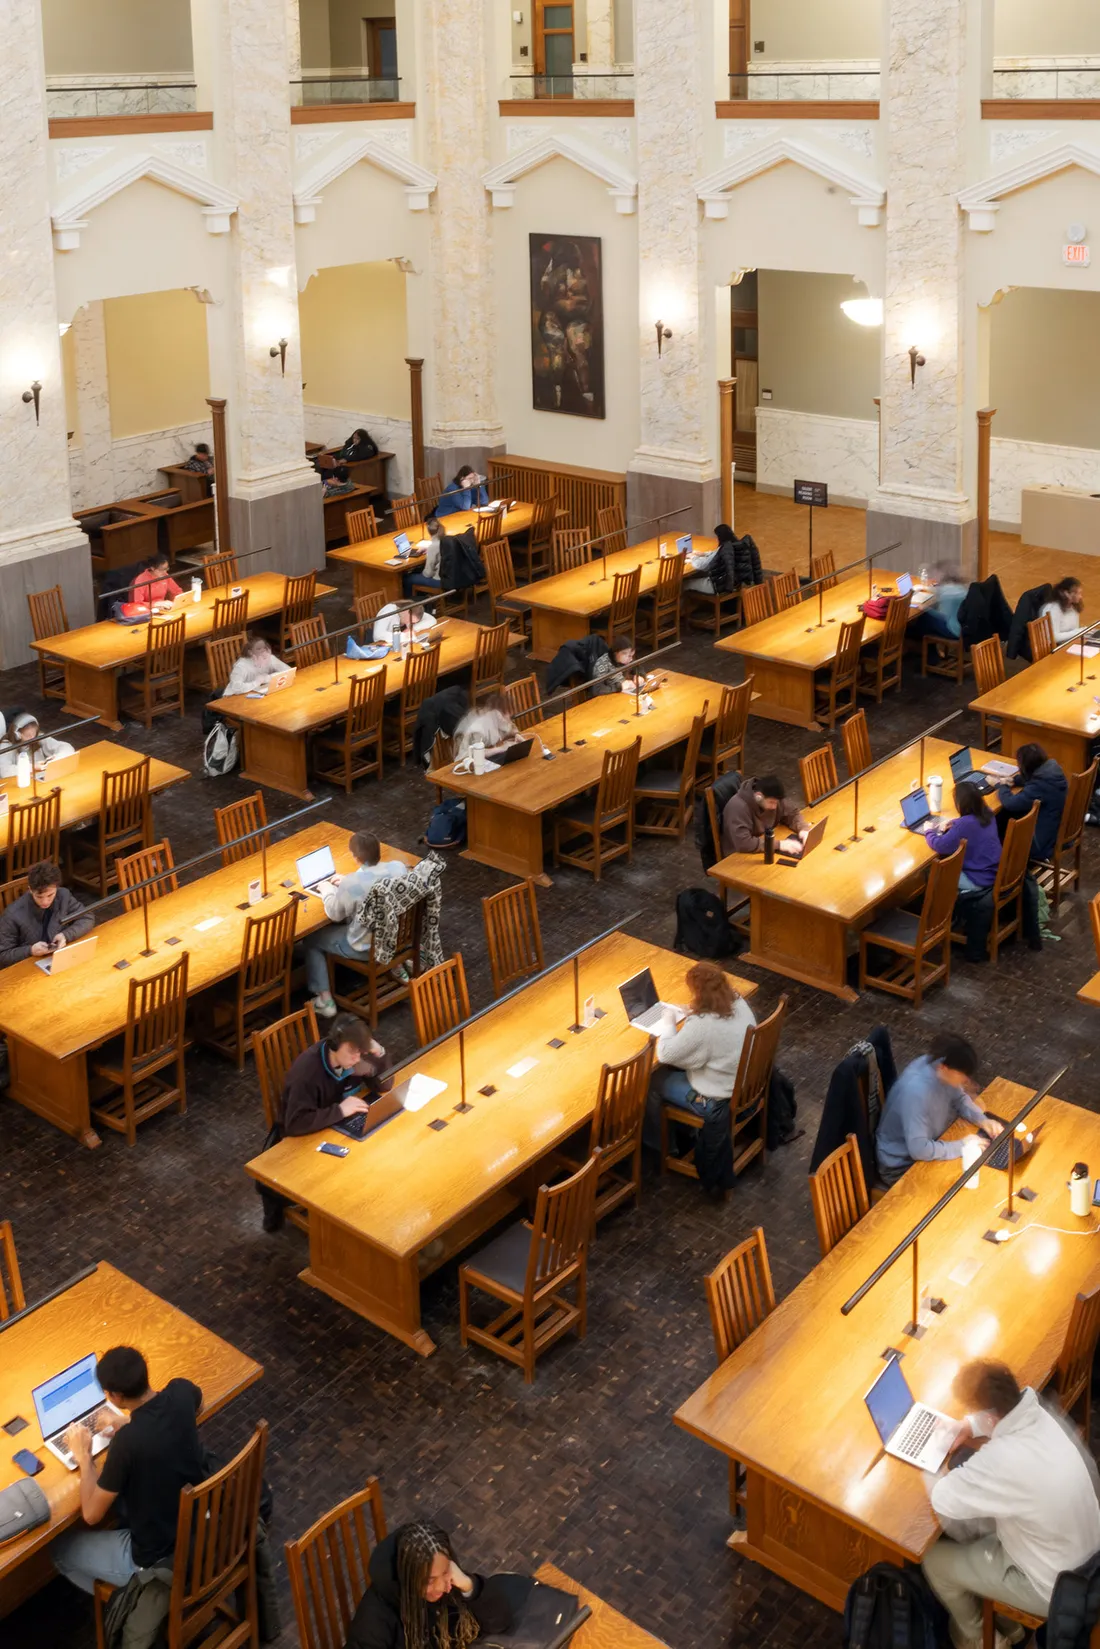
(567, 325)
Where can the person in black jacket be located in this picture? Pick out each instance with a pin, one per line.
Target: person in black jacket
(1041, 780)
(1029, 606)
(40, 920)
(419, 1597)
(590, 659)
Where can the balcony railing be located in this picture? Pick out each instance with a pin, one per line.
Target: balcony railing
(615, 88)
(313, 90)
(1062, 83)
(123, 97)
(809, 86)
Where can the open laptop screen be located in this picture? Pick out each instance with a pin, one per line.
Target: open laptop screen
(638, 993)
(684, 543)
(914, 807)
(401, 541)
(889, 1400)
(961, 764)
(905, 583)
(315, 866)
(64, 1398)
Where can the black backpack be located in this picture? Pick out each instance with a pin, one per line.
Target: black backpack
(702, 926)
(892, 1608)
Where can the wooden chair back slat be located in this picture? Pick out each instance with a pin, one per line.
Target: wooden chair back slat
(230, 615)
(562, 1225)
(818, 773)
(221, 656)
(1073, 1371)
(488, 529)
(620, 1106)
(367, 608)
(500, 571)
(216, 1543)
(34, 833)
(988, 660)
(490, 658)
(610, 530)
(428, 489)
(443, 752)
(136, 868)
(11, 891)
(823, 567)
(12, 1298)
(740, 1294)
(623, 611)
(617, 780)
(570, 547)
(329, 1567)
(846, 662)
(542, 526)
(754, 1073)
(940, 893)
(124, 806)
(307, 642)
(366, 706)
(47, 612)
(512, 930)
(522, 696)
(361, 524)
(239, 819)
(440, 1000)
(219, 570)
(155, 1015)
(1015, 854)
(857, 743)
(276, 1049)
(756, 603)
(785, 590)
(420, 680)
(299, 598)
(838, 1192)
(406, 513)
(1040, 635)
(1075, 807)
(731, 727)
(267, 952)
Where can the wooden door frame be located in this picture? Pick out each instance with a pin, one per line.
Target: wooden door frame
(740, 28)
(372, 27)
(539, 41)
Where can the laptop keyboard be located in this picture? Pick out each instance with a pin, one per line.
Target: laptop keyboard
(916, 1433)
(355, 1127)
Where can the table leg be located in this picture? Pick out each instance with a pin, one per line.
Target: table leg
(550, 629)
(503, 837)
(56, 1089)
(378, 1285)
(782, 692)
(90, 692)
(275, 759)
(800, 943)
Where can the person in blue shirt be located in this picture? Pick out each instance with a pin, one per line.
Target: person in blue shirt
(927, 1097)
(1041, 780)
(466, 492)
(942, 617)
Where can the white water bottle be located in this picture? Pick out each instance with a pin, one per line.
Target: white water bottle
(477, 751)
(935, 793)
(1080, 1191)
(196, 589)
(23, 769)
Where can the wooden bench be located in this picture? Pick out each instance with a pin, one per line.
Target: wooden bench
(183, 524)
(192, 485)
(336, 509)
(118, 537)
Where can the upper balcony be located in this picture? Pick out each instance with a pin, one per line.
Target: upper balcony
(581, 91)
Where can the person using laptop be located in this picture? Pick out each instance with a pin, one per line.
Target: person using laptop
(412, 621)
(1041, 780)
(977, 829)
(43, 920)
(699, 564)
(1065, 610)
(489, 724)
(1030, 1488)
(466, 492)
(696, 1059)
(151, 1458)
(24, 734)
(419, 1597)
(590, 659)
(940, 617)
(347, 936)
(254, 669)
(154, 587)
(761, 805)
(931, 1093)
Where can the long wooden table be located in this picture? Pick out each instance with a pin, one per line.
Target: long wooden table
(606, 1629)
(564, 605)
(52, 1025)
(824, 1501)
(783, 653)
(96, 655)
(1037, 707)
(277, 727)
(412, 1182)
(369, 559)
(801, 913)
(506, 810)
(81, 786)
(108, 1308)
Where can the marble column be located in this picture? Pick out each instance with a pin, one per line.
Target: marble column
(40, 543)
(453, 113)
(89, 339)
(931, 107)
(293, 40)
(676, 463)
(274, 493)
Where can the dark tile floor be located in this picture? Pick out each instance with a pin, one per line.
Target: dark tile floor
(584, 1468)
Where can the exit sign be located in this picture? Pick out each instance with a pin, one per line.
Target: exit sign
(1079, 256)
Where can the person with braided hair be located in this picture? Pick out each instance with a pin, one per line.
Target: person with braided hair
(419, 1597)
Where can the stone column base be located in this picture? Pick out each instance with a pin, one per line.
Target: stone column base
(921, 543)
(653, 495)
(289, 524)
(33, 562)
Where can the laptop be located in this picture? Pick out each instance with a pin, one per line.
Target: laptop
(72, 1395)
(905, 583)
(69, 956)
(962, 771)
(1022, 1145)
(401, 544)
(813, 839)
(914, 812)
(643, 1007)
(59, 766)
(512, 753)
(909, 1431)
(281, 679)
(683, 544)
(316, 870)
(365, 1122)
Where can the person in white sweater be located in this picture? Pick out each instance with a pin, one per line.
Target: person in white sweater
(25, 734)
(1065, 611)
(253, 670)
(346, 936)
(488, 723)
(696, 1065)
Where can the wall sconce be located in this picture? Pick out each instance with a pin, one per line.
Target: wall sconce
(33, 394)
(280, 350)
(662, 334)
(915, 360)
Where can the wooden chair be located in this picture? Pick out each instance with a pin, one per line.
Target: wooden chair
(1040, 637)
(988, 660)
(880, 665)
(838, 691)
(512, 931)
(528, 1267)
(664, 797)
(537, 548)
(570, 547)
(299, 599)
(659, 613)
(785, 590)
(221, 656)
(367, 608)
(857, 743)
(129, 1077)
(724, 744)
(439, 999)
(500, 576)
(34, 833)
(1072, 1378)
(159, 689)
(739, 1296)
(488, 529)
(818, 773)
(125, 821)
(623, 611)
(218, 569)
(595, 823)
(490, 660)
(1008, 888)
(329, 1567)
(241, 819)
(838, 1192)
(1064, 866)
(356, 752)
(756, 603)
(406, 513)
(12, 1298)
(419, 681)
(748, 1103)
(523, 697)
(711, 609)
(11, 891)
(214, 1568)
(428, 490)
(49, 618)
(226, 1022)
(307, 642)
(137, 868)
(443, 754)
(230, 615)
(361, 524)
(383, 984)
(912, 938)
(611, 530)
(615, 1132)
(823, 570)
(275, 1050)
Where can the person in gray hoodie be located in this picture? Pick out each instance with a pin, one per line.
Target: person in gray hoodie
(24, 734)
(346, 937)
(40, 921)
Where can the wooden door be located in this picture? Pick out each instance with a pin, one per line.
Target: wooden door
(739, 47)
(554, 50)
(380, 38)
(745, 368)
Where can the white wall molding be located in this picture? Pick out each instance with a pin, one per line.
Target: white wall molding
(867, 196)
(419, 183)
(501, 180)
(69, 216)
(979, 201)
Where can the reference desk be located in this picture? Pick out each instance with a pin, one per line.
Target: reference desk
(824, 1501)
(105, 1309)
(443, 1177)
(52, 1025)
(276, 728)
(369, 559)
(81, 784)
(506, 810)
(96, 655)
(801, 912)
(564, 605)
(1036, 706)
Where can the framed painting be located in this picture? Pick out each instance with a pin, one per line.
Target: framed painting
(567, 325)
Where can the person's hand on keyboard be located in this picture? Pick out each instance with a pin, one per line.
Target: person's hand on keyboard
(353, 1106)
(78, 1441)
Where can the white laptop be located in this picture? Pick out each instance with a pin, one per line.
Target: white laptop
(905, 583)
(65, 1398)
(909, 1431)
(643, 1008)
(316, 870)
(281, 679)
(683, 544)
(69, 956)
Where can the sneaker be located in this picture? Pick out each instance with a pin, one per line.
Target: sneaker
(999, 1639)
(401, 972)
(324, 1005)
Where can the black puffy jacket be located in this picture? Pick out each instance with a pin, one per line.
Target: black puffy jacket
(1028, 607)
(377, 1621)
(737, 563)
(460, 563)
(1074, 1606)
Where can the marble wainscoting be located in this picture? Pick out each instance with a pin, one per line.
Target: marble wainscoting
(333, 425)
(1016, 464)
(134, 462)
(807, 446)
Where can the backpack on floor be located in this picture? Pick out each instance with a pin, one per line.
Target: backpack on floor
(447, 825)
(892, 1608)
(702, 926)
(219, 752)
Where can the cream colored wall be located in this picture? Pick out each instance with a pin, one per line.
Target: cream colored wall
(157, 368)
(797, 29)
(624, 31)
(1044, 367)
(345, 28)
(116, 36)
(1059, 28)
(812, 357)
(313, 26)
(354, 339)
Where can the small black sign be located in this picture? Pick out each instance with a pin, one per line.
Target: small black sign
(812, 492)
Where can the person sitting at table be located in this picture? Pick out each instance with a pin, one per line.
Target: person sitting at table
(200, 460)
(155, 588)
(1019, 1511)
(337, 482)
(941, 616)
(24, 733)
(696, 1063)
(412, 620)
(346, 936)
(931, 1093)
(705, 564)
(1064, 610)
(761, 805)
(357, 447)
(1039, 779)
(254, 669)
(419, 1597)
(154, 1454)
(977, 829)
(487, 723)
(466, 492)
(44, 919)
(590, 659)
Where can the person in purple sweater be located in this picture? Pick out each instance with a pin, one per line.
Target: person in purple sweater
(976, 829)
